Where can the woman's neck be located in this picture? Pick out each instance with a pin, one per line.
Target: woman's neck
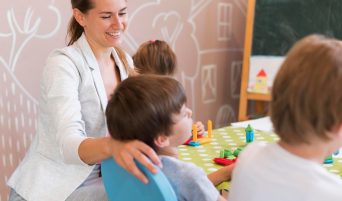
(102, 54)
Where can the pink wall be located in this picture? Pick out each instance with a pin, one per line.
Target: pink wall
(207, 36)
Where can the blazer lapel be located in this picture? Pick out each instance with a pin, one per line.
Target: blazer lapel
(100, 88)
(95, 70)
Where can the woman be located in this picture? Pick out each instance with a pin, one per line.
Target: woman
(62, 162)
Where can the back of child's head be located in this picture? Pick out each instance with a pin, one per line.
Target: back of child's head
(141, 108)
(307, 93)
(155, 57)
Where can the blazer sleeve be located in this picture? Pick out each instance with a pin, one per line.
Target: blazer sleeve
(60, 85)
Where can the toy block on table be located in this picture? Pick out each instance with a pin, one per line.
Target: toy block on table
(200, 140)
(224, 161)
(249, 134)
(210, 129)
(228, 157)
(328, 160)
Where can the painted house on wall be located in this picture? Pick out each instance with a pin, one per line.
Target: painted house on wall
(220, 56)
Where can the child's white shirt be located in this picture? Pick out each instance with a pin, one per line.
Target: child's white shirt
(267, 172)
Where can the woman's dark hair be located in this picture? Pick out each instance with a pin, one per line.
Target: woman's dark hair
(141, 108)
(75, 30)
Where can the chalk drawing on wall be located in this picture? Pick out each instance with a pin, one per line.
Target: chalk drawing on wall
(224, 116)
(22, 35)
(18, 107)
(242, 6)
(209, 83)
(178, 26)
(235, 79)
(169, 34)
(196, 9)
(224, 21)
(171, 24)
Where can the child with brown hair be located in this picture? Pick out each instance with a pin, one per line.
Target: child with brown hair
(152, 108)
(306, 111)
(157, 57)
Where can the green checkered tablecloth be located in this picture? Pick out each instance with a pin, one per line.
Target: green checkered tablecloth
(231, 138)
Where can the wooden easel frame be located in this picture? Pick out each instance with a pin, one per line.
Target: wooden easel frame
(244, 94)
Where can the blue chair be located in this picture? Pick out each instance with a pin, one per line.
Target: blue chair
(121, 185)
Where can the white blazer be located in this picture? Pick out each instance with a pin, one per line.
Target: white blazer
(72, 108)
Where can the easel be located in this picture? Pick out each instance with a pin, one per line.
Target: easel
(245, 96)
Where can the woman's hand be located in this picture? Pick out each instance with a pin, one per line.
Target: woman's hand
(124, 154)
(200, 128)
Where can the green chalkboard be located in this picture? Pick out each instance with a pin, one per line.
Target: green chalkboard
(278, 24)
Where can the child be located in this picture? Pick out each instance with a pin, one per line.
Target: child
(157, 57)
(152, 109)
(306, 111)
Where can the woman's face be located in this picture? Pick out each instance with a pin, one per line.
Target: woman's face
(105, 23)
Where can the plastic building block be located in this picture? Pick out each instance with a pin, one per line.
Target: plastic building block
(337, 152)
(224, 161)
(210, 129)
(329, 160)
(237, 151)
(196, 140)
(249, 134)
(194, 144)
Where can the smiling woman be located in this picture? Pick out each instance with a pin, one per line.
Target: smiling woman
(62, 163)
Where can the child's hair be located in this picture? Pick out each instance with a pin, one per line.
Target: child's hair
(155, 57)
(307, 93)
(141, 108)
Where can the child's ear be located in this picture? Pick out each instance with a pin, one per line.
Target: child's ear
(162, 141)
(339, 130)
(336, 133)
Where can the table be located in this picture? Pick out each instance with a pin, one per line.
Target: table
(231, 138)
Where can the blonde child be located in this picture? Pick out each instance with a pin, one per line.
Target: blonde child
(152, 108)
(306, 111)
(157, 57)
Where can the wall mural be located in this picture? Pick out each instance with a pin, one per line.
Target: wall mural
(206, 35)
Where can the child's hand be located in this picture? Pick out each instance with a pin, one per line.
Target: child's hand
(229, 171)
(200, 128)
(221, 175)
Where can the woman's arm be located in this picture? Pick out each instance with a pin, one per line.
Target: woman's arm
(93, 150)
(221, 175)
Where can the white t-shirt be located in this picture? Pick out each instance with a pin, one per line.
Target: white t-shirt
(267, 172)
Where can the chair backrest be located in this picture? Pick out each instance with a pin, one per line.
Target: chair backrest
(121, 185)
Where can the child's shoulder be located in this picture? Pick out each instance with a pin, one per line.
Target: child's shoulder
(180, 168)
(171, 162)
(189, 181)
(254, 147)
